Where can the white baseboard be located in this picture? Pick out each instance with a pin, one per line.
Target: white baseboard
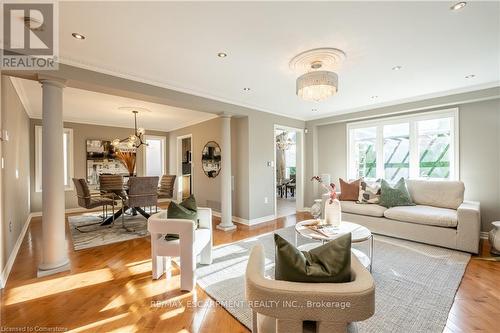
(15, 250)
(247, 222)
(305, 209)
(484, 235)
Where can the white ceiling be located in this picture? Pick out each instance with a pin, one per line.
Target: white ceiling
(83, 106)
(175, 45)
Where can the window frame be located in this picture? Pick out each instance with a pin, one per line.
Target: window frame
(163, 140)
(38, 158)
(412, 120)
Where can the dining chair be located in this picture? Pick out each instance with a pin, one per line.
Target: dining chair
(112, 184)
(142, 192)
(89, 200)
(166, 190)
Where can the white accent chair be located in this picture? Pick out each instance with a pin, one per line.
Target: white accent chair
(190, 244)
(293, 303)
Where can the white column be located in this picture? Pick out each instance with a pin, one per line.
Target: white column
(225, 174)
(54, 252)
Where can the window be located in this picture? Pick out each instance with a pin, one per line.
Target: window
(154, 156)
(67, 158)
(417, 146)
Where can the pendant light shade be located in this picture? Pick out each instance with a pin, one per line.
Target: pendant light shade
(317, 85)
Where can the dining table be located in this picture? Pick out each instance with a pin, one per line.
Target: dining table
(121, 193)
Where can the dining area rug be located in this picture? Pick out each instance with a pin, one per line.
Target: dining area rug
(415, 284)
(97, 235)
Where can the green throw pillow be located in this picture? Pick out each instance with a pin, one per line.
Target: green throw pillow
(328, 263)
(185, 210)
(397, 195)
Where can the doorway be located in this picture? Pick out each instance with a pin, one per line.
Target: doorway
(288, 145)
(184, 167)
(154, 156)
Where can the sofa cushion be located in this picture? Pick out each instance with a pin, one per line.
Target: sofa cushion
(437, 193)
(369, 192)
(441, 217)
(361, 209)
(349, 191)
(397, 195)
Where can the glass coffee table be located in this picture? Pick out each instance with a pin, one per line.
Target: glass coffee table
(359, 234)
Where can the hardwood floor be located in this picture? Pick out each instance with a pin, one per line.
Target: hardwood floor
(109, 288)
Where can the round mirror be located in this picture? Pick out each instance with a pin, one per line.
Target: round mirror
(210, 159)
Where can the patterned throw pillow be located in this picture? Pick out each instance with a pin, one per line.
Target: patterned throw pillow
(369, 192)
(396, 195)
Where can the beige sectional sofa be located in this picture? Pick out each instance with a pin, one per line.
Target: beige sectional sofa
(440, 217)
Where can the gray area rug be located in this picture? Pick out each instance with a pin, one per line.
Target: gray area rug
(97, 235)
(415, 283)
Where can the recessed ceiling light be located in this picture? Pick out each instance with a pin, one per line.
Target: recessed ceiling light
(222, 55)
(396, 68)
(470, 76)
(314, 110)
(246, 89)
(374, 97)
(77, 35)
(458, 5)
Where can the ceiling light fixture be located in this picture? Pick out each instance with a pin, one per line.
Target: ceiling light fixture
(470, 76)
(396, 68)
(135, 140)
(319, 82)
(458, 5)
(246, 89)
(77, 35)
(222, 55)
(374, 97)
(314, 110)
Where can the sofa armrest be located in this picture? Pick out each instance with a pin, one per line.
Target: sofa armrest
(469, 226)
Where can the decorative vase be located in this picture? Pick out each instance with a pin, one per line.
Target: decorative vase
(316, 209)
(333, 213)
(494, 238)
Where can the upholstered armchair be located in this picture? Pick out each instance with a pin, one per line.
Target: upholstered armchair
(166, 190)
(190, 245)
(90, 201)
(294, 302)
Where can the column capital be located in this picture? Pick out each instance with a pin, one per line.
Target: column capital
(224, 115)
(52, 80)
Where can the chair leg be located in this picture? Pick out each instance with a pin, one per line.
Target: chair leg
(90, 224)
(158, 266)
(206, 254)
(123, 220)
(188, 265)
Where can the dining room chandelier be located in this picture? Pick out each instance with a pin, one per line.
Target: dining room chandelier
(135, 140)
(317, 81)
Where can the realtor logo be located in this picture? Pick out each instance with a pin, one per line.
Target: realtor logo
(30, 36)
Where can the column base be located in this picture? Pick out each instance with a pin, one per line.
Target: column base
(45, 271)
(226, 227)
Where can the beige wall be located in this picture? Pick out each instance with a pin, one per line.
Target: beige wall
(252, 146)
(207, 190)
(15, 174)
(81, 132)
(261, 151)
(479, 124)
